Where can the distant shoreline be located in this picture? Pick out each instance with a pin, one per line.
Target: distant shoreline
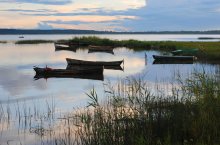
(70, 31)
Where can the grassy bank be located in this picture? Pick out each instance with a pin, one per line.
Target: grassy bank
(208, 50)
(33, 41)
(135, 116)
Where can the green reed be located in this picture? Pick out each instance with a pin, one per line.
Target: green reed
(33, 41)
(134, 115)
(207, 50)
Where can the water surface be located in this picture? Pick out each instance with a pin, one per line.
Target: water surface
(19, 90)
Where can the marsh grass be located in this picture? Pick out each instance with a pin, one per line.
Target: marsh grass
(207, 50)
(33, 41)
(134, 115)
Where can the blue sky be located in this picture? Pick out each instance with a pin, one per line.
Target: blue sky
(114, 15)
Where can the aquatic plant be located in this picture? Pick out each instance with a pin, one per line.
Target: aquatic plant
(134, 115)
(207, 50)
(33, 41)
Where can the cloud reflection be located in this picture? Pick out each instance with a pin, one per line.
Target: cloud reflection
(15, 82)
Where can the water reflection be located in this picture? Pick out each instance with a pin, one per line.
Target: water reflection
(14, 82)
(17, 84)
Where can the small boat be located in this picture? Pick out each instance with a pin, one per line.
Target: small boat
(174, 58)
(101, 47)
(65, 47)
(91, 50)
(93, 63)
(21, 37)
(105, 49)
(185, 52)
(71, 43)
(63, 72)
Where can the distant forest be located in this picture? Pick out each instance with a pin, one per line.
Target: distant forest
(72, 31)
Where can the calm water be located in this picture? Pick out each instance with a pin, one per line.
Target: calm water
(18, 87)
(149, 37)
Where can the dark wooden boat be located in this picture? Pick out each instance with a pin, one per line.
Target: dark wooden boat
(104, 49)
(189, 52)
(173, 62)
(101, 51)
(93, 63)
(174, 58)
(65, 47)
(101, 47)
(118, 67)
(71, 43)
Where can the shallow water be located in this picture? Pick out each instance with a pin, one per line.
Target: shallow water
(19, 90)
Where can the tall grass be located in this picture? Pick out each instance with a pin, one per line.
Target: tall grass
(134, 115)
(33, 41)
(207, 50)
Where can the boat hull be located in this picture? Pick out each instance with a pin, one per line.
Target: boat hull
(189, 52)
(93, 63)
(173, 58)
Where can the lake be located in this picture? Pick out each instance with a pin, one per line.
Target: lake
(20, 91)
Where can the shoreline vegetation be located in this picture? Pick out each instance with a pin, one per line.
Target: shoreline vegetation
(209, 51)
(133, 115)
(33, 41)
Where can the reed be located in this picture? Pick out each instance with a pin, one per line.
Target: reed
(3, 41)
(134, 115)
(207, 50)
(33, 41)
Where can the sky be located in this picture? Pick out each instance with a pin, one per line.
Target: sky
(111, 15)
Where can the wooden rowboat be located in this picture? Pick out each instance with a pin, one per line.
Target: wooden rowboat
(65, 47)
(101, 47)
(104, 49)
(173, 58)
(189, 52)
(71, 43)
(93, 63)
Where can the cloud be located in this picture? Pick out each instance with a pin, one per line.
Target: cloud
(145, 15)
(44, 26)
(30, 10)
(44, 2)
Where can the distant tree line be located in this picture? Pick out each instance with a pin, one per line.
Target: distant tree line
(73, 31)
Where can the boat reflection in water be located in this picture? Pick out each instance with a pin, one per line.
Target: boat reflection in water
(81, 73)
(117, 67)
(173, 62)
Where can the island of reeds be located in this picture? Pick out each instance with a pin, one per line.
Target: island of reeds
(207, 50)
